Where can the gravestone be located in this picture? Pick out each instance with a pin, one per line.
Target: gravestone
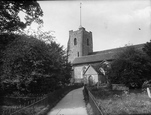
(148, 91)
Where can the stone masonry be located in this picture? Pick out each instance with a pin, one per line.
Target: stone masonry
(80, 44)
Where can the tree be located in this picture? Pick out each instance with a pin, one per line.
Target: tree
(9, 14)
(39, 33)
(5, 39)
(147, 48)
(130, 67)
(22, 58)
(31, 65)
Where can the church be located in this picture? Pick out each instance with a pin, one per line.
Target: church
(88, 66)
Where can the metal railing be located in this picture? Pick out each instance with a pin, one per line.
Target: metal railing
(33, 108)
(13, 104)
(92, 101)
(25, 107)
(36, 106)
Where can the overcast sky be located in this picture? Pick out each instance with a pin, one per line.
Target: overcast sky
(113, 23)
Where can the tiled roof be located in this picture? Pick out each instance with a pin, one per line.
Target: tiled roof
(101, 55)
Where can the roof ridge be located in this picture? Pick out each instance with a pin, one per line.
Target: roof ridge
(115, 48)
(102, 55)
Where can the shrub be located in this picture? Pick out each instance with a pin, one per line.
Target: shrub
(130, 68)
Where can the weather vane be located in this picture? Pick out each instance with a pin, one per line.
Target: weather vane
(80, 16)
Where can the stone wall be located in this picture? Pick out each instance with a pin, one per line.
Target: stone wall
(82, 47)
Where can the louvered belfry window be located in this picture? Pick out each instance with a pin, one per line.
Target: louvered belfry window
(75, 41)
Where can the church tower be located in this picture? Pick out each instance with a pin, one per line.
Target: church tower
(79, 44)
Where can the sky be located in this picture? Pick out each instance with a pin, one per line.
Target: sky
(113, 23)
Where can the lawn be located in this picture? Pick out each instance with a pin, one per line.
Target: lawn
(115, 102)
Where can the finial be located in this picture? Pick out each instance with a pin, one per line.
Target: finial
(80, 16)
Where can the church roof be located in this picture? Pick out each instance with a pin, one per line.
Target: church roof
(96, 57)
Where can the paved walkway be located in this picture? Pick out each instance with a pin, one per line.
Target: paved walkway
(71, 104)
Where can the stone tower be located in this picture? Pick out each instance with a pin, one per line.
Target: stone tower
(79, 44)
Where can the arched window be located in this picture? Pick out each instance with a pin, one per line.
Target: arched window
(87, 42)
(75, 41)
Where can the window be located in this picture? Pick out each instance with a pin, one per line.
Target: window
(75, 41)
(87, 42)
(84, 69)
(78, 54)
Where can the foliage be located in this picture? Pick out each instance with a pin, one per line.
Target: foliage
(9, 14)
(130, 67)
(147, 48)
(39, 33)
(31, 65)
(116, 102)
(146, 84)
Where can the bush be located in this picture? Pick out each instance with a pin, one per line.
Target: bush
(146, 84)
(130, 68)
(1, 96)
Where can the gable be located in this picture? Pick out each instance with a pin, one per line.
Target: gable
(91, 71)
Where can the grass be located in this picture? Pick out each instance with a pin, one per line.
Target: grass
(89, 109)
(114, 102)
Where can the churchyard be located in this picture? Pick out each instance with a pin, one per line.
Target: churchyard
(122, 102)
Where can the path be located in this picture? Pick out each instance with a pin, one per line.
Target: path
(71, 104)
